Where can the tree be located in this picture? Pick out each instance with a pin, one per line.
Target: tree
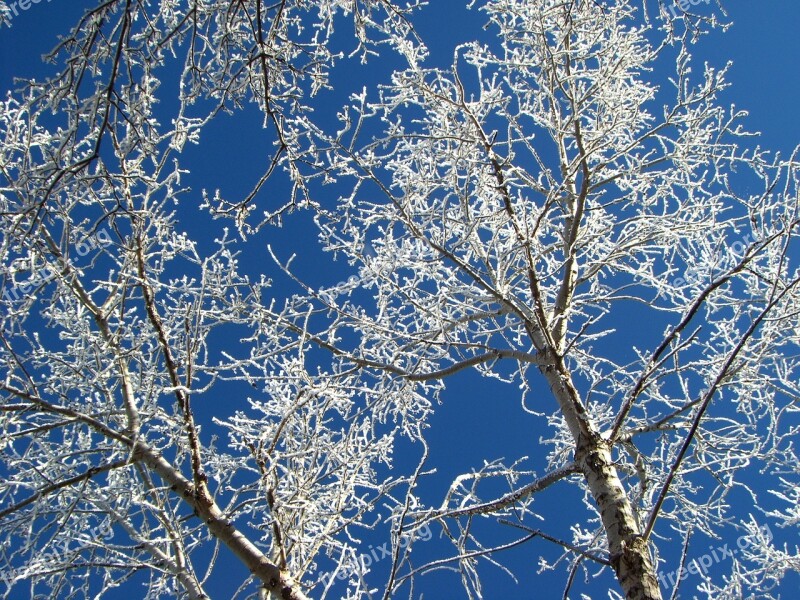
(499, 216)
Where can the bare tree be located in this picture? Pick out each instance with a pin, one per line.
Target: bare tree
(501, 216)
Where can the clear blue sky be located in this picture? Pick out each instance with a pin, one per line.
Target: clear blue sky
(765, 48)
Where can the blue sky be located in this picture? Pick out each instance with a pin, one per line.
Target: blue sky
(765, 49)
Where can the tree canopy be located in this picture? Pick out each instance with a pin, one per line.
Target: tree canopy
(567, 212)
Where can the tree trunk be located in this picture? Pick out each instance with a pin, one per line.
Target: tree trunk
(629, 553)
(275, 581)
(630, 556)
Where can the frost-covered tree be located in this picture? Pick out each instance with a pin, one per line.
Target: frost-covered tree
(502, 216)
